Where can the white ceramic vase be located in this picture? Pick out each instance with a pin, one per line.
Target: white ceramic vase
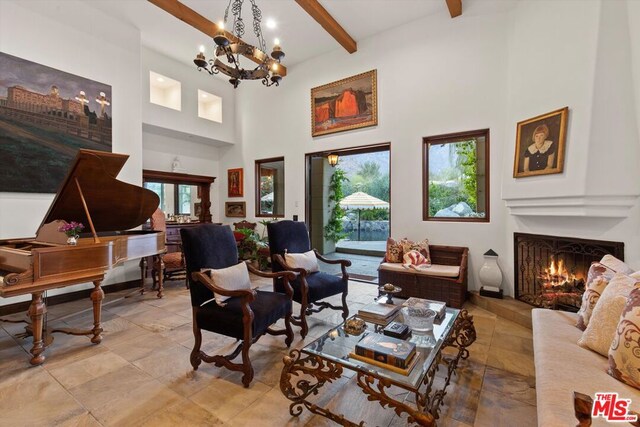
(490, 273)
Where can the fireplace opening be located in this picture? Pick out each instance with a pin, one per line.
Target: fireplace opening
(551, 271)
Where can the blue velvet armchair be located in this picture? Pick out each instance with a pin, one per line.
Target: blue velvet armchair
(308, 288)
(247, 315)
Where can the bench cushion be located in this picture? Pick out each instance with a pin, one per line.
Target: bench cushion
(433, 270)
(562, 367)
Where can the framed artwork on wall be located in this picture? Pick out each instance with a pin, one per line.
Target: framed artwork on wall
(235, 209)
(346, 104)
(46, 115)
(235, 182)
(540, 144)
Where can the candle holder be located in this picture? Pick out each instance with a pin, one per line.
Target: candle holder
(390, 290)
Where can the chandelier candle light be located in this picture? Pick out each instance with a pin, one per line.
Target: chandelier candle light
(230, 49)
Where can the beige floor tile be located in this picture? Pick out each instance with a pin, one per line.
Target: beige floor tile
(512, 342)
(511, 361)
(172, 359)
(498, 410)
(226, 399)
(83, 420)
(140, 347)
(276, 405)
(515, 386)
(105, 389)
(135, 405)
(181, 413)
(33, 397)
(79, 372)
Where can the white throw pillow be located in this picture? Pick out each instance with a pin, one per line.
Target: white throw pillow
(615, 264)
(233, 278)
(606, 314)
(306, 260)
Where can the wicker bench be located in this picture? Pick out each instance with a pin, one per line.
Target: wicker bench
(451, 286)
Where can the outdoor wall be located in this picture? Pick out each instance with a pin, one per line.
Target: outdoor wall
(74, 37)
(446, 75)
(158, 152)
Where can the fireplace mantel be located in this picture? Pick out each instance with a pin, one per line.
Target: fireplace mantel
(607, 206)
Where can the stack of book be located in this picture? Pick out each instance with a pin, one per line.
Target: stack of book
(386, 352)
(378, 313)
(438, 306)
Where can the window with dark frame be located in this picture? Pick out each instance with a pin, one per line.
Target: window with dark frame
(270, 187)
(455, 177)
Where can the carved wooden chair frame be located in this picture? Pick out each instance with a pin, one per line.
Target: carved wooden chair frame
(308, 308)
(247, 296)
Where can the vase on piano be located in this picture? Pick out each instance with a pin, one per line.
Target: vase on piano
(72, 240)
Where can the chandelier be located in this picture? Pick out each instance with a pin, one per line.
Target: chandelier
(229, 50)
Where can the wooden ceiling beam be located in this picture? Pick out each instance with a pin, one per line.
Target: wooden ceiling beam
(202, 24)
(455, 7)
(331, 26)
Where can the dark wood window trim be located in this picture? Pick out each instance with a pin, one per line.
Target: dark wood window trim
(201, 181)
(257, 187)
(446, 139)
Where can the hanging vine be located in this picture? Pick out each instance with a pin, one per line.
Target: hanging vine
(333, 230)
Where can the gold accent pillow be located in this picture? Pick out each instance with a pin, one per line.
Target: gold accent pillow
(597, 279)
(606, 314)
(394, 251)
(624, 353)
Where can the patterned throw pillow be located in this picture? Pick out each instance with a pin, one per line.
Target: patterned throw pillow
(606, 314)
(394, 251)
(423, 248)
(597, 279)
(414, 258)
(624, 353)
(616, 265)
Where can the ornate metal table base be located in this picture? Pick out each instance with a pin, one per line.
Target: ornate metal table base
(304, 374)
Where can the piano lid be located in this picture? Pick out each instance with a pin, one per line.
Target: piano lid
(113, 205)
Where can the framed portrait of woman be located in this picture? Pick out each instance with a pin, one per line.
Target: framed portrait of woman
(540, 144)
(235, 182)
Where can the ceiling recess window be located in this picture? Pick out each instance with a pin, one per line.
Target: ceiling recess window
(165, 91)
(456, 177)
(209, 106)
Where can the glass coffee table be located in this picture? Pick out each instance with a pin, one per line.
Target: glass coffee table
(324, 360)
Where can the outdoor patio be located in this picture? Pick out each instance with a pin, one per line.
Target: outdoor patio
(363, 267)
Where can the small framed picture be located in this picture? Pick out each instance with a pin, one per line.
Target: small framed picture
(540, 144)
(235, 209)
(235, 182)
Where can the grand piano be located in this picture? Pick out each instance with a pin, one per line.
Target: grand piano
(90, 194)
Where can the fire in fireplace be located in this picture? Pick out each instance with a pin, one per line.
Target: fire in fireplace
(550, 271)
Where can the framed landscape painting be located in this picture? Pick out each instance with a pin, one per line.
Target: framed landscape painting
(235, 209)
(346, 104)
(46, 115)
(540, 144)
(235, 182)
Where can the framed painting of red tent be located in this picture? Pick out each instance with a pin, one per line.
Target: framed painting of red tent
(346, 104)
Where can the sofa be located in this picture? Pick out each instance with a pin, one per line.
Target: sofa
(563, 367)
(445, 280)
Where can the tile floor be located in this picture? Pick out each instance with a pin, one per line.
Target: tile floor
(140, 374)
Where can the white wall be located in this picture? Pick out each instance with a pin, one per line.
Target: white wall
(435, 75)
(186, 123)
(74, 37)
(195, 158)
(581, 58)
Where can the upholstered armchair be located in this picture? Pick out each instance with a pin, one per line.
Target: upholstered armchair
(171, 264)
(309, 287)
(246, 315)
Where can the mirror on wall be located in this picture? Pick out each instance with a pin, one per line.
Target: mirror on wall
(270, 187)
(181, 195)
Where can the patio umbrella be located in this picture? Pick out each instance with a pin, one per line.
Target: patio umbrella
(267, 197)
(360, 201)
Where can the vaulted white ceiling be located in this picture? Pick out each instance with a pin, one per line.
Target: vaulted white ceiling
(300, 36)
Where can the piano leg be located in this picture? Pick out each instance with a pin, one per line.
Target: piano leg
(97, 295)
(159, 269)
(37, 310)
(143, 273)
